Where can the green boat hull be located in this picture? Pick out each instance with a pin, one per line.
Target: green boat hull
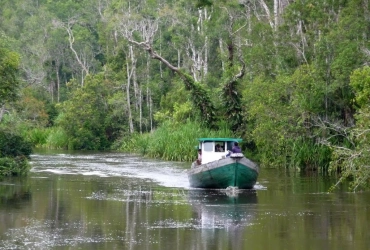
(237, 172)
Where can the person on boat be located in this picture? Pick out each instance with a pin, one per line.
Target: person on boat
(236, 148)
(218, 148)
(199, 160)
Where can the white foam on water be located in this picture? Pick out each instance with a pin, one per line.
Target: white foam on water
(259, 186)
(167, 174)
(166, 177)
(96, 173)
(54, 171)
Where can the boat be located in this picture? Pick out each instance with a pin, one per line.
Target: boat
(221, 169)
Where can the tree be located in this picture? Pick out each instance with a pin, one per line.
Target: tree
(9, 84)
(352, 160)
(146, 29)
(84, 116)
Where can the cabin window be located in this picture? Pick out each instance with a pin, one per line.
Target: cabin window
(230, 145)
(219, 147)
(208, 146)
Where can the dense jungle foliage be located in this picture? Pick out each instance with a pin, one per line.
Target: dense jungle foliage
(291, 78)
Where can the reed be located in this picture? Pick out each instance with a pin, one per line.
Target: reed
(38, 136)
(57, 138)
(307, 155)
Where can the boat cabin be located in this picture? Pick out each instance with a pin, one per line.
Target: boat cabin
(214, 149)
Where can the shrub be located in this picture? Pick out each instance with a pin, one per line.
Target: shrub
(14, 154)
(12, 145)
(14, 166)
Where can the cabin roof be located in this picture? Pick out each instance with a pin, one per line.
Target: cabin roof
(219, 139)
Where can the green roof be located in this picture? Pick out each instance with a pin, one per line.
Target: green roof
(220, 139)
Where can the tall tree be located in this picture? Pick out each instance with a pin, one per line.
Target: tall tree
(84, 116)
(9, 83)
(146, 29)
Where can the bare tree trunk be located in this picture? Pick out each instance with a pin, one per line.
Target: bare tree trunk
(2, 111)
(222, 53)
(130, 71)
(178, 58)
(148, 94)
(51, 90)
(276, 13)
(84, 69)
(300, 47)
(58, 81)
(68, 27)
(140, 111)
(205, 64)
(327, 83)
(160, 52)
(58, 87)
(266, 8)
(151, 111)
(134, 78)
(130, 123)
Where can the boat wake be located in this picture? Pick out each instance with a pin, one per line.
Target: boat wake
(168, 174)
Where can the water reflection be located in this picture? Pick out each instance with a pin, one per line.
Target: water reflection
(14, 193)
(222, 218)
(217, 209)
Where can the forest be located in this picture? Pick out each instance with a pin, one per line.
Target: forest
(291, 78)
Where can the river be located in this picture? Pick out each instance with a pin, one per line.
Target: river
(107, 200)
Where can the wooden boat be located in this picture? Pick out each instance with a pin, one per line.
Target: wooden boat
(220, 169)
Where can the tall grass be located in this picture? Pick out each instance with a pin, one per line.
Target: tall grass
(170, 141)
(309, 155)
(53, 138)
(37, 136)
(57, 139)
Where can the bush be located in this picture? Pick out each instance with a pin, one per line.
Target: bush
(14, 166)
(12, 145)
(14, 154)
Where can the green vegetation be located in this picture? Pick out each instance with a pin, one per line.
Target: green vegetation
(14, 154)
(171, 141)
(14, 150)
(290, 78)
(9, 61)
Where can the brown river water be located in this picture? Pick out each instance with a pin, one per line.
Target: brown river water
(102, 200)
